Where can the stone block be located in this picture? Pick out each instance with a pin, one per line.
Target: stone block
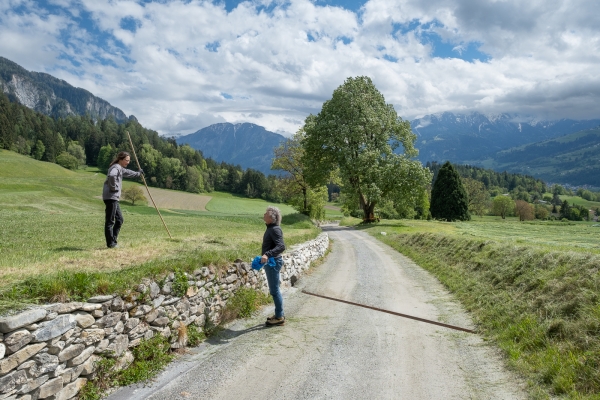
(9, 382)
(33, 384)
(89, 366)
(51, 329)
(71, 352)
(16, 340)
(97, 313)
(133, 322)
(51, 387)
(57, 347)
(117, 304)
(138, 331)
(26, 365)
(109, 320)
(64, 308)
(70, 390)
(158, 301)
(14, 322)
(118, 346)
(83, 319)
(140, 311)
(119, 327)
(82, 357)
(167, 288)
(44, 363)
(89, 307)
(154, 290)
(100, 299)
(89, 336)
(101, 347)
(124, 361)
(161, 321)
(9, 363)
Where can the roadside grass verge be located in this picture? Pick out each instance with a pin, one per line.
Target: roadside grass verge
(540, 306)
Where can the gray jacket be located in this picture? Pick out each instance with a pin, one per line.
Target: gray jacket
(114, 181)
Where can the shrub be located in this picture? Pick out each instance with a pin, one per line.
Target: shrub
(67, 161)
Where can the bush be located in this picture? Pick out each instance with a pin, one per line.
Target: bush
(67, 161)
(133, 194)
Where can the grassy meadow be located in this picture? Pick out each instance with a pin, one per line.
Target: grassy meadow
(533, 289)
(52, 233)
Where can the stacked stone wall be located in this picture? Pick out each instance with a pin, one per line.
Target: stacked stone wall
(50, 352)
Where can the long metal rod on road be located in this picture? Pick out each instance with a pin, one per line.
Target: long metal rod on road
(458, 328)
(147, 188)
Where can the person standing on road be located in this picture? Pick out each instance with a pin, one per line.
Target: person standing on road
(273, 246)
(111, 193)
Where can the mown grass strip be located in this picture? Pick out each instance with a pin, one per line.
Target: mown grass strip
(541, 307)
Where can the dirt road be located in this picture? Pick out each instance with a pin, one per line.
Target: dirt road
(329, 350)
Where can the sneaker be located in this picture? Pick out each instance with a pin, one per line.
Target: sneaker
(270, 318)
(113, 246)
(275, 321)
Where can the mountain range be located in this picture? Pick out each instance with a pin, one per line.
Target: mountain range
(472, 138)
(52, 96)
(246, 144)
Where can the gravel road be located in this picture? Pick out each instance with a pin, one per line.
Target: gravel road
(330, 350)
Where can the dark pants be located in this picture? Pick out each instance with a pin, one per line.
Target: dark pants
(273, 281)
(112, 222)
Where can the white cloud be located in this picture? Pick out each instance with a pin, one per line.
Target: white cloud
(282, 64)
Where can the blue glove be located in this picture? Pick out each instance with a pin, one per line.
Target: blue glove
(256, 265)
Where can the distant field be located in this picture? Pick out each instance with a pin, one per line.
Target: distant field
(552, 235)
(177, 200)
(581, 202)
(51, 220)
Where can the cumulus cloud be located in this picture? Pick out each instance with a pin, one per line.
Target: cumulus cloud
(182, 65)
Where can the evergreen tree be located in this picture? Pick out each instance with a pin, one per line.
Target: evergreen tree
(449, 200)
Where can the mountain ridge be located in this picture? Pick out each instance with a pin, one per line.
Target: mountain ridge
(51, 96)
(246, 144)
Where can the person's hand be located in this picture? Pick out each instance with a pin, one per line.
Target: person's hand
(264, 259)
(141, 171)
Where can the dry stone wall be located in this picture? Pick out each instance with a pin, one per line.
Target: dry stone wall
(50, 352)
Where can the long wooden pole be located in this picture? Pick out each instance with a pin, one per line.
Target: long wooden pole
(147, 188)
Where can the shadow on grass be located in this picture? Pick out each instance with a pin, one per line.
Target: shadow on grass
(68, 248)
(222, 336)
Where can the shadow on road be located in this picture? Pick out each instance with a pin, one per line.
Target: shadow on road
(224, 335)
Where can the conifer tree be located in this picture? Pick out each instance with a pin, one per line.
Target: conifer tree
(449, 200)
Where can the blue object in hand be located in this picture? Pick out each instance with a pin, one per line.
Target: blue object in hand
(257, 265)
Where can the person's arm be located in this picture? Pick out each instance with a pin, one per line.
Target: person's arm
(277, 237)
(127, 173)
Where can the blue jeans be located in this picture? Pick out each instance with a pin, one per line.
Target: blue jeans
(273, 280)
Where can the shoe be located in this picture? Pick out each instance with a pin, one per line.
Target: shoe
(270, 318)
(113, 246)
(275, 321)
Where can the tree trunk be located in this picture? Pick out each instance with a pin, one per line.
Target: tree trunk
(369, 212)
(305, 201)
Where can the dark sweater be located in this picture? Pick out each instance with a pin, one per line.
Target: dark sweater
(273, 244)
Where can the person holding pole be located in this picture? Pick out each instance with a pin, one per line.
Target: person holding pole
(273, 246)
(111, 193)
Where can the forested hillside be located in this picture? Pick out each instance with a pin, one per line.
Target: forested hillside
(79, 140)
(571, 159)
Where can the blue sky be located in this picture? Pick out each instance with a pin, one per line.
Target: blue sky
(181, 65)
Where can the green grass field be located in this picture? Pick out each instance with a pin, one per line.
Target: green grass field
(52, 224)
(581, 202)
